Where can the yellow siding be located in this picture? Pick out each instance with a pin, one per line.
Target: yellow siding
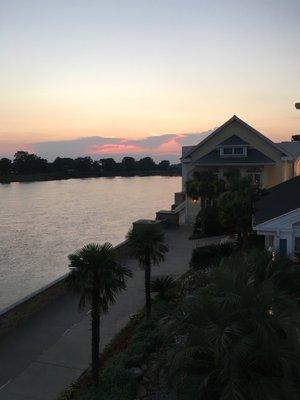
(273, 174)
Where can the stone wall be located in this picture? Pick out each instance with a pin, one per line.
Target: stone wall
(170, 219)
(17, 313)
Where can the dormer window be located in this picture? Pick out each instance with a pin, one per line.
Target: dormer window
(233, 151)
(234, 146)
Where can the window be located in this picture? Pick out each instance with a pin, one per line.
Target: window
(256, 176)
(227, 150)
(269, 240)
(233, 151)
(208, 203)
(238, 150)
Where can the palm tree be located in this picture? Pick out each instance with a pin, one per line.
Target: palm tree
(147, 244)
(96, 275)
(206, 185)
(241, 335)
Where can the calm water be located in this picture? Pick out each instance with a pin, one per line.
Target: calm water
(42, 222)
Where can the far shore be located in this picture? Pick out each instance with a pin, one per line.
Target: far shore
(62, 176)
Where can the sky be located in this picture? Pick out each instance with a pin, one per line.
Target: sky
(144, 76)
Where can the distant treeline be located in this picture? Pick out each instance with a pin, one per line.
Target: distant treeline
(27, 166)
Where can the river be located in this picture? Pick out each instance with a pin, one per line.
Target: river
(42, 222)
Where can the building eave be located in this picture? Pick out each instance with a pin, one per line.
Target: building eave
(232, 164)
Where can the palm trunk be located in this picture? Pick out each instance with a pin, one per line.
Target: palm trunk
(148, 286)
(203, 215)
(95, 331)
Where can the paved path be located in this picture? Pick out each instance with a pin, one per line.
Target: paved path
(41, 358)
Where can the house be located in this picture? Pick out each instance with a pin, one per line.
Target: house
(236, 144)
(277, 217)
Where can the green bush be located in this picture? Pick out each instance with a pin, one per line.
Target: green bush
(206, 256)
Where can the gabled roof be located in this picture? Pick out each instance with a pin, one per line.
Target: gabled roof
(279, 200)
(186, 149)
(253, 157)
(237, 119)
(233, 140)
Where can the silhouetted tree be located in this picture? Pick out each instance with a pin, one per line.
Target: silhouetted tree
(146, 164)
(128, 164)
(206, 186)
(84, 164)
(5, 166)
(98, 278)
(97, 167)
(236, 204)
(63, 164)
(148, 247)
(164, 165)
(25, 163)
(108, 165)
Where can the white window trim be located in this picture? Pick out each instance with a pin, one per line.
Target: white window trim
(232, 154)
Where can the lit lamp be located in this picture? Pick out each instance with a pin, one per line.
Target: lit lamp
(194, 200)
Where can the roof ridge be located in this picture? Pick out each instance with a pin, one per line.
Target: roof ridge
(236, 118)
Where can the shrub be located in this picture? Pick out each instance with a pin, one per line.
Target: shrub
(119, 380)
(241, 335)
(212, 225)
(255, 240)
(206, 256)
(162, 285)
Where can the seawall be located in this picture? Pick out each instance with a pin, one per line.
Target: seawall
(17, 313)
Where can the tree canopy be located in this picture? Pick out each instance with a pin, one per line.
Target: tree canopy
(25, 163)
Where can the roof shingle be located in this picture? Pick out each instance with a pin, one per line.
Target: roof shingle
(279, 200)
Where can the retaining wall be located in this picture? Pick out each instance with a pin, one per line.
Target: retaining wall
(17, 313)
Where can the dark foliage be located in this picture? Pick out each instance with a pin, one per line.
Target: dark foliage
(148, 247)
(31, 164)
(98, 278)
(206, 256)
(209, 219)
(236, 203)
(162, 285)
(119, 380)
(5, 166)
(240, 335)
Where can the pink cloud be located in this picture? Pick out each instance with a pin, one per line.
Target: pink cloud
(169, 147)
(118, 148)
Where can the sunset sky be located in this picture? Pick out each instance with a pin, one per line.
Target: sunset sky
(111, 77)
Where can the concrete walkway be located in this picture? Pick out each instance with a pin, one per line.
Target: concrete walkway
(41, 358)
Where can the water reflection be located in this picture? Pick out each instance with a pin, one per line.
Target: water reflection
(42, 222)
